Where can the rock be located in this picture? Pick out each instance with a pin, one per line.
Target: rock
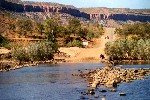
(5, 66)
(122, 94)
(83, 93)
(111, 83)
(102, 91)
(113, 90)
(96, 96)
(94, 84)
(143, 73)
(117, 79)
(90, 91)
(110, 77)
(118, 67)
(135, 71)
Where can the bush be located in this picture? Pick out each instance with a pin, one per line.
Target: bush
(138, 29)
(21, 54)
(89, 35)
(129, 49)
(3, 41)
(36, 52)
(75, 43)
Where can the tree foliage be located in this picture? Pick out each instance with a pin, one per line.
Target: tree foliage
(134, 44)
(137, 29)
(52, 29)
(39, 51)
(3, 41)
(125, 49)
(24, 26)
(39, 27)
(74, 26)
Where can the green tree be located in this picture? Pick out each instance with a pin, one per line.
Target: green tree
(74, 26)
(89, 35)
(3, 41)
(100, 30)
(137, 49)
(39, 27)
(137, 29)
(24, 26)
(51, 28)
(39, 51)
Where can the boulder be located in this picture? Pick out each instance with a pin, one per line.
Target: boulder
(111, 83)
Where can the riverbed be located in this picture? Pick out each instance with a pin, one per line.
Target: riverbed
(55, 82)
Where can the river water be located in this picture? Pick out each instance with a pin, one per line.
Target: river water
(55, 82)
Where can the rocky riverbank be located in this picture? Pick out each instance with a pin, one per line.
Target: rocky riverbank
(12, 65)
(110, 77)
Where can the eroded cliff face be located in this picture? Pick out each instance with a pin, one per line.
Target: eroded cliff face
(101, 14)
(122, 17)
(41, 8)
(11, 6)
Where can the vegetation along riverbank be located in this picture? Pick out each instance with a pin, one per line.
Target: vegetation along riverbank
(62, 39)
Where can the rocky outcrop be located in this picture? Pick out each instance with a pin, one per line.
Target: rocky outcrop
(41, 8)
(110, 77)
(11, 6)
(122, 17)
(49, 7)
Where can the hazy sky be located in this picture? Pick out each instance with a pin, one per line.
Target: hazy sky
(134, 4)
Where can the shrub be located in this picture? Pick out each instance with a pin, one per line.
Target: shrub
(74, 43)
(134, 49)
(3, 41)
(21, 54)
(36, 52)
(89, 35)
(139, 29)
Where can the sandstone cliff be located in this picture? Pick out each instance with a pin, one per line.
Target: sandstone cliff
(41, 7)
(122, 17)
(116, 14)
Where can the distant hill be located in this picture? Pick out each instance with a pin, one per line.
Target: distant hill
(99, 13)
(114, 10)
(14, 1)
(118, 14)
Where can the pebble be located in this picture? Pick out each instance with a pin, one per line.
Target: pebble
(113, 90)
(96, 96)
(122, 94)
(90, 91)
(102, 91)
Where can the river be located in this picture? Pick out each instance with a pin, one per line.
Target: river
(55, 82)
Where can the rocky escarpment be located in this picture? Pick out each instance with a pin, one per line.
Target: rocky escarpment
(41, 7)
(122, 17)
(119, 14)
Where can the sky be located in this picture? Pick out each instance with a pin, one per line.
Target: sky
(133, 4)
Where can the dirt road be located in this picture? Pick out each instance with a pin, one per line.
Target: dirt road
(80, 55)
